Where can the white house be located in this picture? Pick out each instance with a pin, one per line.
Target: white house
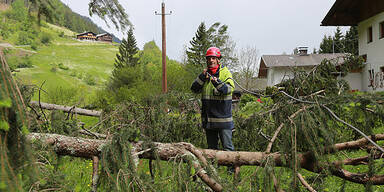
(275, 68)
(368, 16)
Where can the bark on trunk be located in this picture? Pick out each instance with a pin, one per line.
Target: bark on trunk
(73, 109)
(87, 148)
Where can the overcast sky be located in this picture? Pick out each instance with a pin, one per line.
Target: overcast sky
(273, 27)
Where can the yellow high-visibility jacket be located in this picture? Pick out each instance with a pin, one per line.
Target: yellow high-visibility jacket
(216, 111)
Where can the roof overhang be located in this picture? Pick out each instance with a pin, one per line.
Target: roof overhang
(351, 12)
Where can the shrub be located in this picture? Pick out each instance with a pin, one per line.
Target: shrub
(63, 67)
(34, 45)
(4, 31)
(46, 38)
(24, 38)
(54, 68)
(80, 75)
(61, 34)
(64, 95)
(73, 74)
(90, 79)
(25, 63)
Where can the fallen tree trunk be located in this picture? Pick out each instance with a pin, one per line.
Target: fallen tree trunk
(87, 148)
(67, 109)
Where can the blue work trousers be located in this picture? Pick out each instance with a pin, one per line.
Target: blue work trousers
(225, 138)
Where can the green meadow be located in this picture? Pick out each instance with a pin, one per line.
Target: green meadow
(69, 63)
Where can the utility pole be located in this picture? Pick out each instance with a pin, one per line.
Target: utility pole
(163, 47)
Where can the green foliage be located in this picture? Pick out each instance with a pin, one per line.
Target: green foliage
(199, 45)
(250, 105)
(89, 79)
(61, 123)
(142, 81)
(54, 68)
(340, 43)
(4, 126)
(215, 36)
(46, 38)
(351, 62)
(351, 41)
(62, 66)
(322, 77)
(126, 72)
(113, 10)
(25, 62)
(34, 46)
(19, 62)
(131, 122)
(6, 102)
(127, 56)
(15, 173)
(64, 95)
(19, 11)
(24, 38)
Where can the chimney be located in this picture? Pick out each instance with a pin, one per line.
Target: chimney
(302, 51)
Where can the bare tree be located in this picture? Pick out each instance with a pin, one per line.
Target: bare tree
(247, 66)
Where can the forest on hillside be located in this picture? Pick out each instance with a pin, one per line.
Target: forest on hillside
(309, 133)
(56, 13)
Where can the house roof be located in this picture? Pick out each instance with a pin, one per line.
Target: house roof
(300, 61)
(351, 12)
(103, 34)
(86, 33)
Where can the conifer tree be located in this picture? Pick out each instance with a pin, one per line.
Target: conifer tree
(326, 45)
(351, 41)
(126, 58)
(127, 52)
(216, 35)
(199, 44)
(340, 43)
(333, 44)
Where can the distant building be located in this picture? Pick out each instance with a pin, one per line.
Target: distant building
(276, 68)
(86, 36)
(104, 37)
(368, 16)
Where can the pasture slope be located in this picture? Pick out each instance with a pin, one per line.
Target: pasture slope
(69, 63)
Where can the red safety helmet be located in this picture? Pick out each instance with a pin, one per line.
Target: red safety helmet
(213, 51)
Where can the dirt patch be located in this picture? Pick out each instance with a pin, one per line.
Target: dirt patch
(20, 52)
(4, 7)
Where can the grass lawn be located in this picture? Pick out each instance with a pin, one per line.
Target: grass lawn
(66, 63)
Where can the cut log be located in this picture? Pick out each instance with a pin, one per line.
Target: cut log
(87, 148)
(67, 109)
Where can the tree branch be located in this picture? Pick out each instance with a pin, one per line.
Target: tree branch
(87, 148)
(306, 185)
(73, 109)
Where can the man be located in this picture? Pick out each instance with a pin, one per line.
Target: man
(216, 86)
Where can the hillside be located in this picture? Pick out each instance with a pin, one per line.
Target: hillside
(48, 55)
(65, 64)
(65, 17)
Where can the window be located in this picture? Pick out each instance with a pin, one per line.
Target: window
(381, 30)
(370, 38)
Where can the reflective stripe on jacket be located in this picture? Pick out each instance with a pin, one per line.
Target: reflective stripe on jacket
(216, 112)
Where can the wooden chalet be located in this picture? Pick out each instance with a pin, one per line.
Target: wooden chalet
(104, 37)
(86, 36)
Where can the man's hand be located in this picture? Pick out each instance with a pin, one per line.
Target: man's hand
(206, 73)
(214, 79)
